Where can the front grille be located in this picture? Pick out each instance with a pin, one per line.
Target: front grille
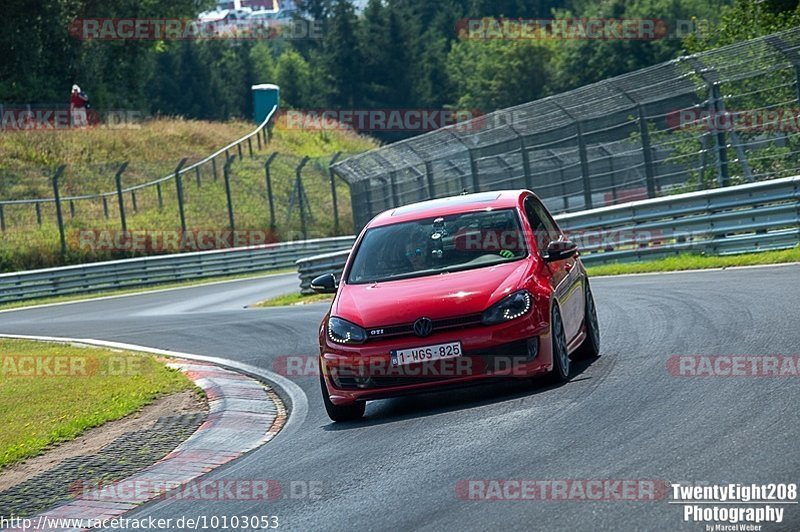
(480, 363)
(444, 324)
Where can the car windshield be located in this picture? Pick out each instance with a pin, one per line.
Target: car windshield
(435, 245)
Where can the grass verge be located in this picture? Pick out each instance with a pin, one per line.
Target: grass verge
(28, 160)
(689, 261)
(293, 299)
(51, 393)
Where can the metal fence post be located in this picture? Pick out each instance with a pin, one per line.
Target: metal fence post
(226, 173)
(429, 177)
(105, 207)
(587, 184)
(59, 216)
(711, 79)
(214, 168)
(239, 147)
(2, 218)
(301, 197)
(332, 175)
(197, 176)
(71, 209)
(38, 214)
(179, 190)
(393, 182)
(120, 197)
(133, 201)
(250, 146)
(647, 154)
(258, 140)
(473, 168)
(270, 199)
(791, 54)
(160, 197)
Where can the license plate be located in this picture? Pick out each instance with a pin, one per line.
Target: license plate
(428, 353)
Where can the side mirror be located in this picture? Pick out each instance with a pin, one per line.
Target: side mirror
(560, 250)
(325, 284)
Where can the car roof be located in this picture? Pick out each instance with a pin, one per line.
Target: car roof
(496, 199)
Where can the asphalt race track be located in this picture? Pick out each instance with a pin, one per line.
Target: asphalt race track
(624, 416)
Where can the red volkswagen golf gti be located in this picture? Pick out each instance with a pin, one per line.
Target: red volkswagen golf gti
(451, 291)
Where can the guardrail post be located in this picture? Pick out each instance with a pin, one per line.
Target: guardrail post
(38, 214)
(226, 173)
(197, 176)
(2, 218)
(214, 168)
(239, 147)
(105, 207)
(332, 175)
(179, 190)
(250, 146)
(133, 201)
(59, 216)
(270, 199)
(120, 197)
(258, 140)
(71, 209)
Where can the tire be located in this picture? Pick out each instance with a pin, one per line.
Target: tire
(561, 363)
(590, 348)
(341, 412)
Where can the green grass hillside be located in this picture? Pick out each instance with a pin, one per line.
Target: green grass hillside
(28, 160)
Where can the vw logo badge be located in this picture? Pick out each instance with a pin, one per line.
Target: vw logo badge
(423, 327)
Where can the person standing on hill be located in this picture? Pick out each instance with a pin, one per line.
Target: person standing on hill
(77, 107)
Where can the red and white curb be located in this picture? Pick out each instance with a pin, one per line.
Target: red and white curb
(244, 414)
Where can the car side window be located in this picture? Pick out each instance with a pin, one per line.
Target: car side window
(544, 230)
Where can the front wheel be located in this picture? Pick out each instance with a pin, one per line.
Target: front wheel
(341, 412)
(561, 362)
(590, 348)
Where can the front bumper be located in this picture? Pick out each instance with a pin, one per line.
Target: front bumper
(520, 348)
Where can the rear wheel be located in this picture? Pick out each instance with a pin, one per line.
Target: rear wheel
(590, 348)
(341, 412)
(561, 362)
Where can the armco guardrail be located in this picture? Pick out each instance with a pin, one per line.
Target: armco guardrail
(126, 273)
(752, 217)
(314, 266)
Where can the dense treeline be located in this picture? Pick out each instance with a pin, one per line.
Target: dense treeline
(395, 54)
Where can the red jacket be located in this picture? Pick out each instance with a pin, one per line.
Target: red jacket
(76, 100)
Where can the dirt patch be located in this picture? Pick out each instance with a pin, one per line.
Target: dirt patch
(93, 440)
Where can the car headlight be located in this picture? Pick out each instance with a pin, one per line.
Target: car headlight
(343, 332)
(509, 308)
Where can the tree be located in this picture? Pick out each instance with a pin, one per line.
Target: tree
(293, 76)
(341, 56)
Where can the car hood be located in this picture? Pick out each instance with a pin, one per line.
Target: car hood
(435, 296)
